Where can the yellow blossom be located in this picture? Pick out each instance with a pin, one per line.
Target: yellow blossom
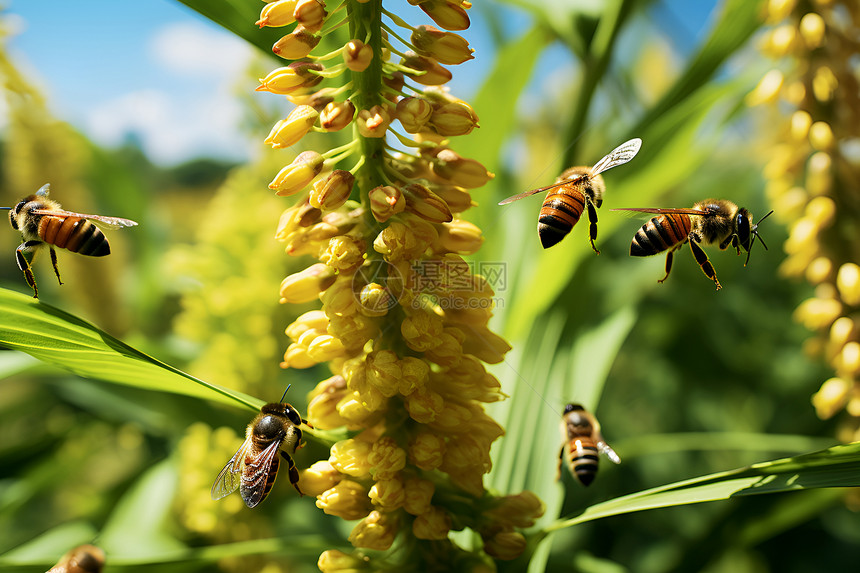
(386, 458)
(323, 401)
(310, 14)
(457, 170)
(428, 72)
(278, 13)
(453, 118)
(505, 545)
(347, 500)
(383, 372)
(344, 253)
(289, 131)
(848, 283)
(334, 561)
(296, 45)
(421, 330)
(414, 375)
(418, 494)
(337, 115)
(767, 89)
(435, 523)
(306, 285)
(321, 476)
(291, 78)
(444, 47)
(427, 450)
(376, 531)
(388, 494)
(520, 510)
(351, 457)
(812, 30)
(295, 176)
(413, 113)
(357, 55)
(373, 122)
(831, 397)
(385, 202)
(424, 405)
(315, 320)
(333, 191)
(448, 15)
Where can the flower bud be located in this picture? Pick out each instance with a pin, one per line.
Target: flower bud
(418, 494)
(344, 253)
(817, 313)
(426, 204)
(428, 72)
(306, 285)
(296, 45)
(413, 113)
(290, 78)
(276, 14)
(450, 16)
(821, 136)
(334, 561)
(310, 14)
(347, 500)
(337, 115)
(444, 47)
(376, 531)
(800, 123)
(323, 401)
(505, 545)
(824, 84)
(357, 55)
(460, 237)
(375, 300)
(520, 510)
(332, 192)
(831, 397)
(312, 320)
(385, 202)
(457, 170)
(351, 457)
(373, 122)
(386, 458)
(427, 450)
(455, 118)
(848, 283)
(388, 494)
(295, 176)
(325, 347)
(457, 198)
(434, 524)
(318, 478)
(812, 30)
(289, 131)
(317, 100)
(767, 89)
(296, 356)
(424, 405)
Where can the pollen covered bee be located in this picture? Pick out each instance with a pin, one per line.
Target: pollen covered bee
(41, 222)
(254, 467)
(576, 189)
(583, 441)
(81, 559)
(708, 222)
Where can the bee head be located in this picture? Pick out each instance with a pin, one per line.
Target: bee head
(747, 232)
(572, 408)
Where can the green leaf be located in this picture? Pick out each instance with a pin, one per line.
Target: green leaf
(238, 16)
(838, 466)
(52, 545)
(59, 338)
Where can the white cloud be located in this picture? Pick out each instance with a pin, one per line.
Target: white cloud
(190, 48)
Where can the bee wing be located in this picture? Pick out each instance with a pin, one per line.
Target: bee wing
(519, 196)
(256, 474)
(632, 211)
(228, 480)
(608, 452)
(100, 220)
(621, 154)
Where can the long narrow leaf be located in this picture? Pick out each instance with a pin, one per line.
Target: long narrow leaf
(59, 338)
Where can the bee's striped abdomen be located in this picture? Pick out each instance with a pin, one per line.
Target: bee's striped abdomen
(660, 233)
(75, 234)
(583, 459)
(560, 211)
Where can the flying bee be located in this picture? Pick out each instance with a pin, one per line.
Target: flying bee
(41, 222)
(254, 466)
(577, 188)
(708, 222)
(81, 559)
(583, 441)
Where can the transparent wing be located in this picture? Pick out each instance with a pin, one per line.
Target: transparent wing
(519, 196)
(228, 480)
(621, 154)
(256, 474)
(101, 221)
(608, 452)
(660, 211)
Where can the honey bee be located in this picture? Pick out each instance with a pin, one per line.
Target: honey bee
(254, 466)
(583, 441)
(81, 559)
(41, 221)
(577, 188)
(708, 222)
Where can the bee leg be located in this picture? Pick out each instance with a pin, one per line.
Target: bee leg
(592, 220)
(704, 262)
(292, 471)
(669, 256)
(54, 262)
(306, 423)
(24, 249)
(560, 459)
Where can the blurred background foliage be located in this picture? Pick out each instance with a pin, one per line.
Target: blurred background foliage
(685, 381)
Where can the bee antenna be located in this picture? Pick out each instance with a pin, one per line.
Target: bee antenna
(285, 392)
(755, 236)
(5, 208)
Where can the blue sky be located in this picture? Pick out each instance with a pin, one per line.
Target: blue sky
(159, 70)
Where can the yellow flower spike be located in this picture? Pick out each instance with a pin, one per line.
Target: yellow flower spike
(812, 30)
(291, 78)
(428, 71)
(817, 313)
(296, 356)
(454, 118)
(424, 405)
(357, 55)
(334, 561)
(351, 457)
(373, 122)
(520, 510)
(376, 531)
(296, 45)
(421, 330)
(276, 14)
(848, 283)
(323, 403)
(824, 84)
(347, 500)
(821, 136)
(434, 524)
(421, 201)
(414, 375)
(375, 300)
(306, 285)
(383, 372)
(310, 14)
(337, 115)
(418, 492)
(447, 15)
(344, 253)
(767, 89)
(460, 171)
(449, 351)
(457, 198)
(321, 476)
(444, 47)
(388, 494)
(505, 545)
(296, 176)
(326, 347)
(287, 132)
(312, 320)
(427, 450)
(351, 408)
(386, 458)
(332, 192)
(459, 236)
(413, 113)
